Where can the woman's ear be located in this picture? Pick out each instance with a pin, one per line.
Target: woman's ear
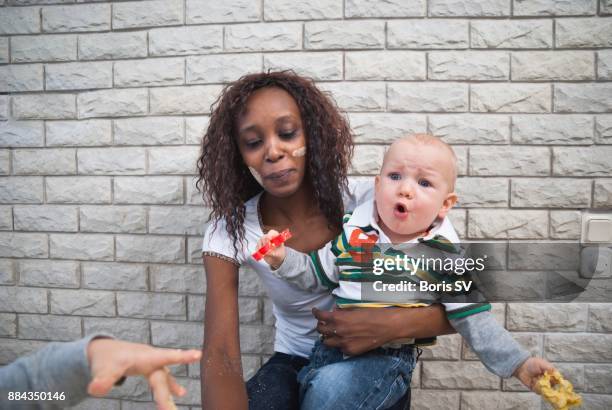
(449, 202)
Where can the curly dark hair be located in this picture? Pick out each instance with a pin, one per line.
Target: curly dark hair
(224, 179)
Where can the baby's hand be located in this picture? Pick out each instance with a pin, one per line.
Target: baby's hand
(530, 371)
(276, 255)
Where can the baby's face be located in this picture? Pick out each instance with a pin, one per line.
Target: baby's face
(414, 188)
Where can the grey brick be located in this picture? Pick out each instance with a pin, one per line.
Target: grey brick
(49, 273)
(428, 97)
(4, 50)
(111, 161)
(113, 103)
(367, 159)
(458, 218)
(48, 161)
(21, 190)
(131, 330)
(509, 161)
(553, 65)
(550, 193)
(82, 302)
(447, 347)
(552, 129)
(510, 98)
(604, 65)
(173, 160)
(454, 375)
(256, 339)
(511, 34)
(75, 76)
(126, 219)
(6, 218)
(183, 100)
(149, 131)
(434, 33)
(23, 245)
(44, 106)
(185, 40)
(433, 399)
(151, 72)
(482, 192)
(499, 400)
(165, 249)
(78, 133)
(600, 317)
(507, 224)
(355, 96)
(603, 129)
(579, 347)
(45, 218)
(385, 127)
(344, 34)
(14, 349)
(598, 378)
(605, 7)
(21, 133)
(582, 161)
(312, 10)
(152, 190)
(151, 305)
(74, 18)
(113, 45)
(387, 8)
(43, 48)
(134, 388)
(565, 224)
(8, 325)
(177, 278)
(385, 65)
(320, 66)
(22, 20)
(583, 97)
(22, 300)
(547, 317)
(211, 11)
(114, 276)
(583, 32)
(49, 327)
(22, 77)
(471, 129)
(468, 65)
(7, 271)
(147, 13)
(194, 250)
(4, 107)
(178, 220)
(260, 37)
(97, 404)
(221, 68)
(75, 190)
(81, 246)
(177, 335)
(554, 7)
(469, 8)
(249, 283)
(596, 401)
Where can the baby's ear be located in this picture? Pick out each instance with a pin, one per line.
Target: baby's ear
(449, 202)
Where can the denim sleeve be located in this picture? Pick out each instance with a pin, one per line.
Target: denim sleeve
(493, 344)
(58, 367)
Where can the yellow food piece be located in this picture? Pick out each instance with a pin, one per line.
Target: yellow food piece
(560, 393)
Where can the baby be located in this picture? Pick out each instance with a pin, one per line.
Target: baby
(413, 194)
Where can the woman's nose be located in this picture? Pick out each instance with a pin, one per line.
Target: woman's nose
(274, 151)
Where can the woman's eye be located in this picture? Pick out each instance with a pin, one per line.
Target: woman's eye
(287, 134)
(252, 143)
(425, 183)
(394, 176)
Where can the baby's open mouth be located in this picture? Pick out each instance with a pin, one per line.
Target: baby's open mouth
(400, 209)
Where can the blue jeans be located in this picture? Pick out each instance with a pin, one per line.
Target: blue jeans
(275, 385)
(373, 380)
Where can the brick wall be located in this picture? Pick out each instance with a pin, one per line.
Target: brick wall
(102, 106)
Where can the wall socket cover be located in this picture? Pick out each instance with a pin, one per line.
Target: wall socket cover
(596, 227)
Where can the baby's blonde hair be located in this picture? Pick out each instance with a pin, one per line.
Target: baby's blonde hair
(430, 139)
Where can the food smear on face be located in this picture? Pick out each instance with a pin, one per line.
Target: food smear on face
(300, 152)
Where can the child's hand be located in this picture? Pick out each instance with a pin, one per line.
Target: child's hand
(530, 371)
(275, 256)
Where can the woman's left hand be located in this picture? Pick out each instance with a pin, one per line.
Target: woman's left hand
(355, 331)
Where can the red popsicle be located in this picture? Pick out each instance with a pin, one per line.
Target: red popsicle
(274, 242)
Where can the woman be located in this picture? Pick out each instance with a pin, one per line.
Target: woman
(276, 156)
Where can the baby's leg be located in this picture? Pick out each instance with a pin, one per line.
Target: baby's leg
(375, 380)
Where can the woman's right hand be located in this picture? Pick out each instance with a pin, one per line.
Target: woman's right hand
(275, 256)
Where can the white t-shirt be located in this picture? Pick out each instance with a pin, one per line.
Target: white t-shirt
(292, 307)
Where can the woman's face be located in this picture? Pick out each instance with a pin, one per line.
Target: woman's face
(272, 142)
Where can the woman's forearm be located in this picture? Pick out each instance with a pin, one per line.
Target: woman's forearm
(420, 323)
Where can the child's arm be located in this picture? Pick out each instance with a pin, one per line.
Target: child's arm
(314, 272)
(498, 350)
